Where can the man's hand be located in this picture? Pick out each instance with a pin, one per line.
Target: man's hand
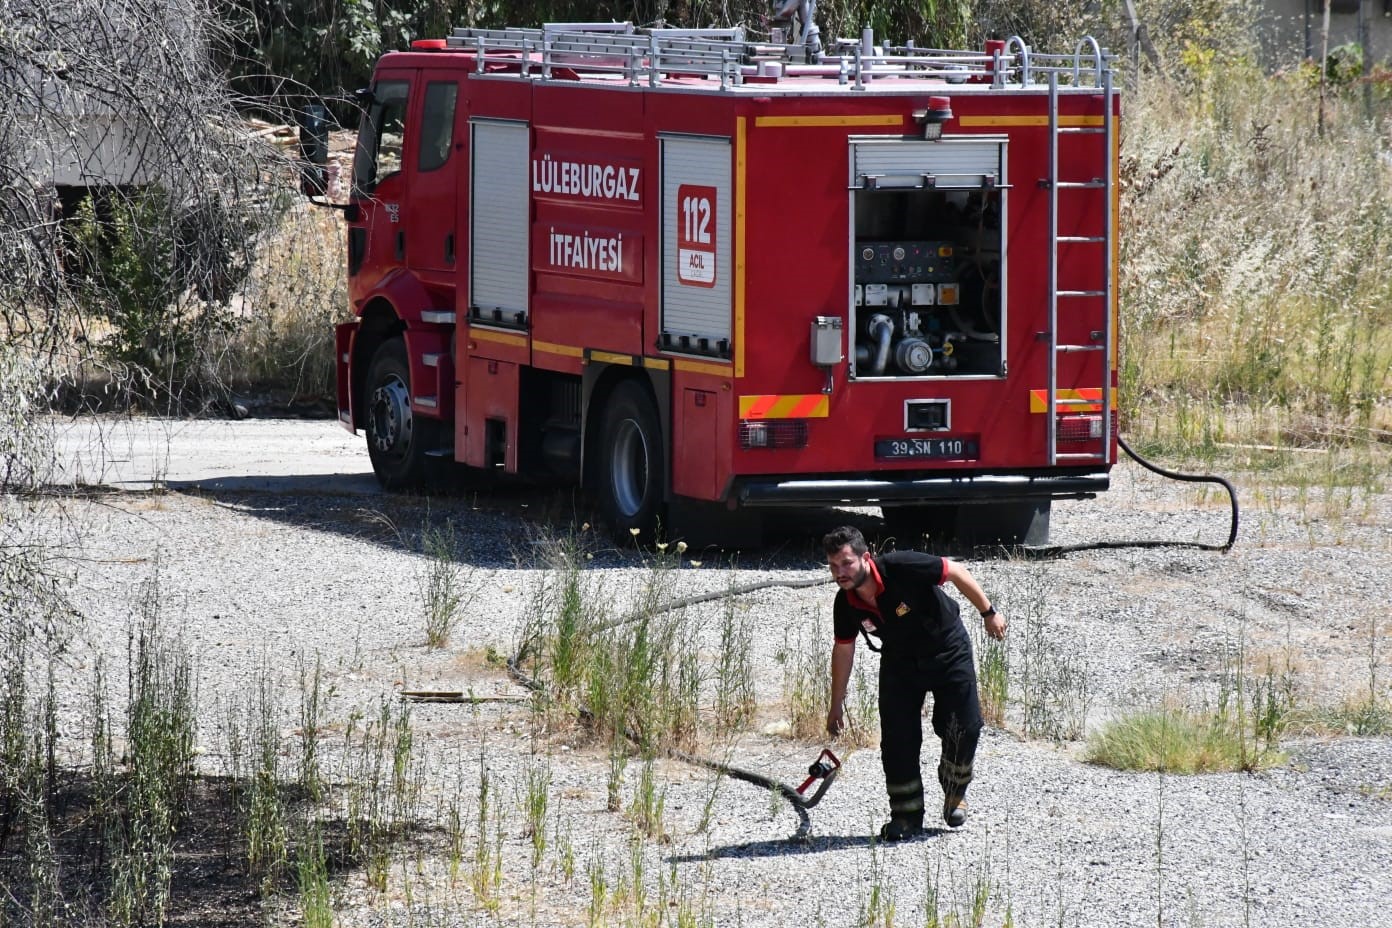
(835, 722)
(995, 626)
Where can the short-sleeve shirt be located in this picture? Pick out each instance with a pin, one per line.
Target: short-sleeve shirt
(911, 613)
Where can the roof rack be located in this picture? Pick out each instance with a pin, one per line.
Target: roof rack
(564, 50)
(613, 48)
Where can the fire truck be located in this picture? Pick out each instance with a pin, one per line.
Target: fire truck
(702, 276)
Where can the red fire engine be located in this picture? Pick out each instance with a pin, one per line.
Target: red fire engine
(702, 276)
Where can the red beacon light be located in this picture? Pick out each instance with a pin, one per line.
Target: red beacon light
(938, 112)
(429, 45)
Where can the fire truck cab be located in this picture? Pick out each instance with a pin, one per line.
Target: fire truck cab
(703, 276)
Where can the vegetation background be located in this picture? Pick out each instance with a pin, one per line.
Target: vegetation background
(1255, 202)
(1256, 297)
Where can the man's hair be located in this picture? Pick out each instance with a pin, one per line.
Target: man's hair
(838, 538)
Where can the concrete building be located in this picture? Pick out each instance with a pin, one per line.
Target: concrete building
(1291, 29)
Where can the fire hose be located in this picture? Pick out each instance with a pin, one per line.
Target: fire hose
(827, 765)
(1056, 550)
(824, 768)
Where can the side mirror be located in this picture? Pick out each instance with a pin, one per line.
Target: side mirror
(314, 149)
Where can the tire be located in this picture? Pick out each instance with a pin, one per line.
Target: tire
(633, 467)
(397, 440)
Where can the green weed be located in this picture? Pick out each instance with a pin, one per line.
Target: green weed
(734, 670)
(1176, 741)
(161, 731)
(445, 584)
(315, 897)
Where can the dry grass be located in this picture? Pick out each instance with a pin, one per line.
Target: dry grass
(297, 291)
(1256, 271)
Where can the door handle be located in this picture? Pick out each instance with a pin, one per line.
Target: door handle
(401, 246)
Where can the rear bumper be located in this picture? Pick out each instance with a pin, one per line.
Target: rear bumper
(980, 488)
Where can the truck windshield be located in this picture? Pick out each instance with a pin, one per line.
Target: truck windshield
(380, 136)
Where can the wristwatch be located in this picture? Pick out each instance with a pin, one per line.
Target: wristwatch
(988, 612)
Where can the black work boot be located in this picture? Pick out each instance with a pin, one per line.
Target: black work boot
(955, 811)
(954, 779)
(900, 828)
(905, 810)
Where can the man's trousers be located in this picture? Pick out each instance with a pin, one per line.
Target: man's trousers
(950, 676)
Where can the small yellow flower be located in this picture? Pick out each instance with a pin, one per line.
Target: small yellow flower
(634, 531)
(585, 527)
(681, 547)
(695, 563)
(662, 546)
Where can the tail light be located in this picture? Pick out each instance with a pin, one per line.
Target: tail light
(1081, 428)
(772, 433)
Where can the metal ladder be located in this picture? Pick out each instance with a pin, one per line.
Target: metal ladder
(1102, 75)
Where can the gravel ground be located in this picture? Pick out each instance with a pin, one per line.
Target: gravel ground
(275, 547)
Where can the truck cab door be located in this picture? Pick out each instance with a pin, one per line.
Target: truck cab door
(431, 214)
(377, 237)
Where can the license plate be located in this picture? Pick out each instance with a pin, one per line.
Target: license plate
(895, 449)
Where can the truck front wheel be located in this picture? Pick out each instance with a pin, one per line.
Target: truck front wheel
(633, 471)
(397, 440)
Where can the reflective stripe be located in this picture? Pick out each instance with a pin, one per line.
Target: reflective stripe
(770, 122)
(904, 789)
(905, 798)
(785, 406)
(569, 351)
(1086, 399)
(502, 338)
(998, 121)
(954, 777)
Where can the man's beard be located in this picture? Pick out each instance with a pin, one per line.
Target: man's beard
(861, 576)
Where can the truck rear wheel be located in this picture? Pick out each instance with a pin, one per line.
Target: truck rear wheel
(397, 440)
(633, 467)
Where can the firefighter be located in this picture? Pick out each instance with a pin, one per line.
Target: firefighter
(898, 598)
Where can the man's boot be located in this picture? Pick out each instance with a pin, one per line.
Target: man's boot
(905, 811)
(954, 779)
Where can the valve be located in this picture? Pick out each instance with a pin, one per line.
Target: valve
(824, 766)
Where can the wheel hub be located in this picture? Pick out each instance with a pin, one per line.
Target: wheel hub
(630, 470)
(390, 417)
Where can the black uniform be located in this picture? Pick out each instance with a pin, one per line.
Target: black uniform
(924, 647)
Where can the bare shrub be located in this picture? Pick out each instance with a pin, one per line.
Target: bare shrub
(121, 100)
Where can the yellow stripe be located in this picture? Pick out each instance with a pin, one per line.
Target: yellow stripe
(609, 357)
(661, 364)
(1070, 121)
(806, 121)
(697, 367)
(785, 406)
(740, 167)
(570, 351)
(502, 338)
